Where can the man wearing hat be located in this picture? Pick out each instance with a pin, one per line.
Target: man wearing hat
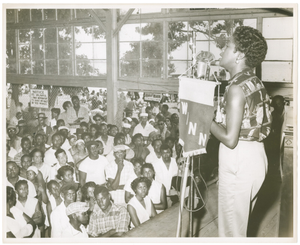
(59, 219)
(92, 168)
(126, 130)
(78, 220)
(108, 219)
(42, 126)
(13, 139)
(117, 173)
(144, 127)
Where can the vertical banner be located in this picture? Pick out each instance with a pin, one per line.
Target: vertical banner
(196, 114)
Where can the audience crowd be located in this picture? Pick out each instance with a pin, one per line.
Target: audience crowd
(75, 175)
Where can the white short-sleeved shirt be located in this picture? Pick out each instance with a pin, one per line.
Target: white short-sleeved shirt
(108, 145)
(145, 131)
(94, 169)
(164, 175)
(111, 170)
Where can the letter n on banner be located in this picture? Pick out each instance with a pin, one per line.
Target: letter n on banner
(196, 114)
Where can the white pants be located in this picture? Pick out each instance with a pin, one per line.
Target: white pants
(242, 171)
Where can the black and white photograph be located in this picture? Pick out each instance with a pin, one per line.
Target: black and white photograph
(149, 123)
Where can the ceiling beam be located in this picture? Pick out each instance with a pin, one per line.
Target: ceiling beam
(123, 21)
(95, 16)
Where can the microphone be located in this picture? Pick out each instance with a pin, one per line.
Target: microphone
(215, 63)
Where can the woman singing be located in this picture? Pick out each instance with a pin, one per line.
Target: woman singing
(246, 121)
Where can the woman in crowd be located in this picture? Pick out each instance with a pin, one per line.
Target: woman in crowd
(140, 207)
(38, 161)
(18, 224)
(81, 153)
(157, 191)
(30, 206)
(94, 131)
(140, 150)
(245, 123)
(88, 194)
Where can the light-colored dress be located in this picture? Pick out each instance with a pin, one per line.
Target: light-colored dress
(142, 213)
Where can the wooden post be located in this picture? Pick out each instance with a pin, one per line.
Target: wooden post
(112, 65)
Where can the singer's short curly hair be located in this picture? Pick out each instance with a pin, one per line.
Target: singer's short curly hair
(250, 42)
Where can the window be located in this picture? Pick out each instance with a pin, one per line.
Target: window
(141, 50)
(279, 60)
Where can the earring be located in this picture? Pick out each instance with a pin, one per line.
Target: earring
(236, 61)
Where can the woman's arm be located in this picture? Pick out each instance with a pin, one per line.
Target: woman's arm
(133, 216)
(163, 200)
(153, 210)
(229, 136)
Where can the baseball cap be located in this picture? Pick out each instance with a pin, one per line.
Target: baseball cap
(77, 207)
(120, 148)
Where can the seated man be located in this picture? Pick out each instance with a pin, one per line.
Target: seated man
(107, 218)
(59, 219)
(12, 177)
(78, 220)
(92, 168)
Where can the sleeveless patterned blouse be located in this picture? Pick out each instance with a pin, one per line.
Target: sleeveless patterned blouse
(257, 119)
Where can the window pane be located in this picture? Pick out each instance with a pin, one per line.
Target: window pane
(10, 44)
(177, 67)
(99, 34)
(65, 67)
(24, 52)
(99, 51)
(25, 67)
(11, 66)
(37, 36)
(152, 50)
(65, 51)
(84, 50)
(37, 51)
(277, 71)
(51, 51)
(99, 67)
(49, 14)
(64, 35)
(285, 52)
(130, 68)
(10, 15)
(151, 31)
(50, 35)
(83, 34)
(24, 15)
(179, 51)
(36, 15)
(51, 67)
(129, 50)
(129, 32)
(84, 67)
(177, 31)
(152, 68)
(201, 46)
(38, 67)
(278, 27)
(64, 14)
(24, 36)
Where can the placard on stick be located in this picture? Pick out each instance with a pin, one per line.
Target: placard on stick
(39, 98)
